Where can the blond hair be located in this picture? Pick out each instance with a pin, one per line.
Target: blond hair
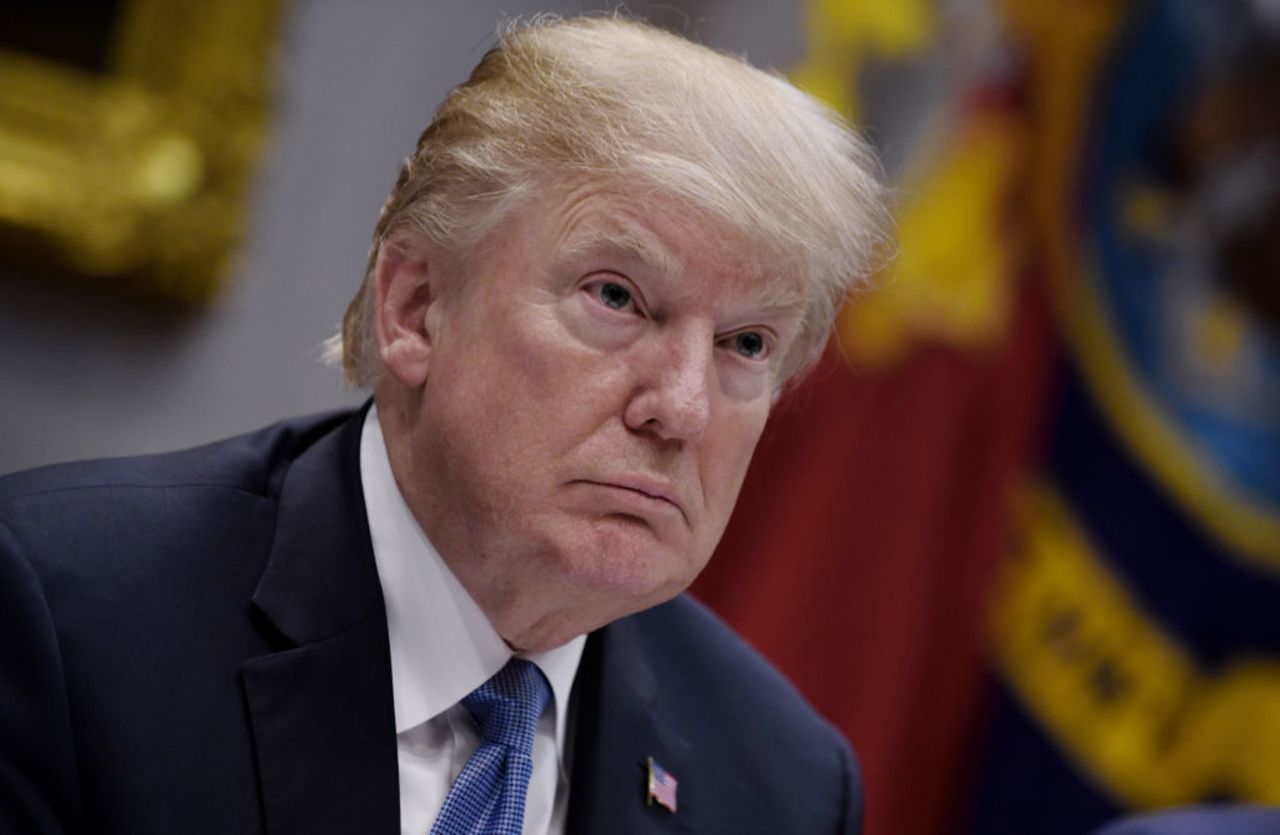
(619, 101)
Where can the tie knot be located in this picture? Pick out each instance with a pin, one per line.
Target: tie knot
(508, 706)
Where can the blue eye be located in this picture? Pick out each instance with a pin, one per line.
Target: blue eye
(750, 344)
(614, 295)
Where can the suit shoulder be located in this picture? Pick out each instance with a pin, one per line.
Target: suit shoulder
(780, 765)
(248, 463)
(91, 522)
(691, 644)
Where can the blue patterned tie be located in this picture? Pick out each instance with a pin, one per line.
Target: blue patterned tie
(488, 796)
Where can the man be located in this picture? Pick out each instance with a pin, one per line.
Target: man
(459, 608)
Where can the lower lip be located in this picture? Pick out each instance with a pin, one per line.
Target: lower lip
(641, 504)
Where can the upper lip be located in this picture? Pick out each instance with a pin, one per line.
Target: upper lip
(652, 487)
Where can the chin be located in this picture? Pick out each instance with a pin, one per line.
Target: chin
(623, 558)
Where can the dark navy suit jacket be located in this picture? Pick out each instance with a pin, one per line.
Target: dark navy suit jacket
(196, 642)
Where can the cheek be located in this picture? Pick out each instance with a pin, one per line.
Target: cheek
(746, 433)
(570, 385)
(726, 459)
(507, 378)
(542, 355)
(522, 399)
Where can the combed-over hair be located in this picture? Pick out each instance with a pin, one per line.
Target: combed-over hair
(621, 102)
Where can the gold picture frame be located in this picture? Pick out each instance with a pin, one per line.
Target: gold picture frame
(140, 173)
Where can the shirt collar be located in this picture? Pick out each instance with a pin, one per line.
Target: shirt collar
(442, 644)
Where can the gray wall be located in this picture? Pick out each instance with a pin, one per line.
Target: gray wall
(90, 374)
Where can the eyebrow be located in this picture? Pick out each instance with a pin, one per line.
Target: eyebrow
(780, 298)
(783, 298)
(631, 246)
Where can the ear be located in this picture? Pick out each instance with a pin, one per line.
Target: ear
(406, 286)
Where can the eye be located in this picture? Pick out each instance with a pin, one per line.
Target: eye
(750, 344)
(614, 295)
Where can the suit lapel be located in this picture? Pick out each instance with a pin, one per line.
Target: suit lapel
(620, 723)
(321, 708)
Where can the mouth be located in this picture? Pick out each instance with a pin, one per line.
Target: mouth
(648, 492)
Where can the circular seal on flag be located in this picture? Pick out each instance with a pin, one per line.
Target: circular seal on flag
(1165, 238)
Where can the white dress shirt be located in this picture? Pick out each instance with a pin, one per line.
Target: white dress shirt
(442, 648)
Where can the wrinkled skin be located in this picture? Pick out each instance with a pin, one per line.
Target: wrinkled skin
(570, 414)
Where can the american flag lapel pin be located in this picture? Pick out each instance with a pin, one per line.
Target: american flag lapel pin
(662, 786)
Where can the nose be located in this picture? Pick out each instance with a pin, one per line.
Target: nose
(676, 374)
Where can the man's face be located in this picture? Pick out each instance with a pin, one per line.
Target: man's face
(597, 380)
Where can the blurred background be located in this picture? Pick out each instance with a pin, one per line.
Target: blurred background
(1018, 535)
